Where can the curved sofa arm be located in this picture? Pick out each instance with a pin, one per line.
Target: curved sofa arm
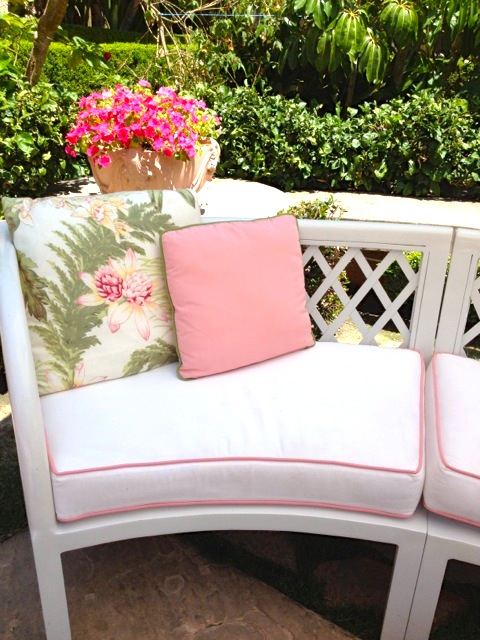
(23, 390)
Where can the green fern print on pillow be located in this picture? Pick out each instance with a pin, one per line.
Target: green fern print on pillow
(93, 282)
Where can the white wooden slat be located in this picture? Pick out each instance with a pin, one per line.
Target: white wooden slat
(434, 243)
(461, 291)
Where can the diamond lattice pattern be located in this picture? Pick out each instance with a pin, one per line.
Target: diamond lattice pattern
(376, 303)
(471, 337)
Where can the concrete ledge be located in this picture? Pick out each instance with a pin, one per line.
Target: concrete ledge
(228, 198)
(379, 208)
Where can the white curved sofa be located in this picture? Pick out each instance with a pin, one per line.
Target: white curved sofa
(328, 440)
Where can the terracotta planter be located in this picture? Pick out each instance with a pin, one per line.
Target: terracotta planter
(353, 271)
(139, 169)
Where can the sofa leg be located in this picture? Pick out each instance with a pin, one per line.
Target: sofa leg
(428, 590)
(48, 564)
(405, 574)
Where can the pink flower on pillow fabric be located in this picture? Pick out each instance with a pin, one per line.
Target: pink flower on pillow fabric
(127, 291)
(92, 278)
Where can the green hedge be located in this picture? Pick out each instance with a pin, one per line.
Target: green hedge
(428, 145)
(32, 130)
(93, 34)
(128, 63)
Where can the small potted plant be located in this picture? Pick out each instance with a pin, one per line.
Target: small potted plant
(138, 139)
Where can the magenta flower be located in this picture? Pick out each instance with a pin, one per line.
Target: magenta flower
(121, 118)
(104, 161)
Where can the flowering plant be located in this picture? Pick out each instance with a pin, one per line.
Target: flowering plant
(123, 119)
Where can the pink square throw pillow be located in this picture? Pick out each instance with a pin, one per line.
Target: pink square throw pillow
(238, 293)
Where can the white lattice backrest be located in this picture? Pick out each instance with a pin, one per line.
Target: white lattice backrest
(459, 325)
(351, 293)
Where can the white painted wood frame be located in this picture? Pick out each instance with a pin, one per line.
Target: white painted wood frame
(51, 538)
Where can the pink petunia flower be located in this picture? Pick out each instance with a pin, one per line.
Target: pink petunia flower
(121, 118)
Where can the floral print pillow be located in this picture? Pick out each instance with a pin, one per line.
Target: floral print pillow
(93, 282)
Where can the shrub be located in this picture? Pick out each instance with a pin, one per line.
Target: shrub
(32, 131)
(127, 62)
(94, 34)
(428, 145)
(266, 138)
(315, 209)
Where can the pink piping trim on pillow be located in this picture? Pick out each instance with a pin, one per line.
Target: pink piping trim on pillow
(287, 503)
(449, 515)
(438, 424)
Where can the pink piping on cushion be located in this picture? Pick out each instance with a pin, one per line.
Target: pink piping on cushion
(260, 459)
(438, 426)
(282, 503)
(448, 515)
(232, 459)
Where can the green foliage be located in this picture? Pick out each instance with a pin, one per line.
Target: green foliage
(428, 145)
(394, 279)
(155, 355)
(266, 138)
(32, 125)
(104, 36)
(242, 47)
(109, 14)
(315, 209)
(127, 63)
(15, 29)
(340, 51)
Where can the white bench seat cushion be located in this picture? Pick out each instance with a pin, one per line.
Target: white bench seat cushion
(336, 425)
(452, 483)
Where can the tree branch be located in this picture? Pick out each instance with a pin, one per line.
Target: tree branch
(47, 25)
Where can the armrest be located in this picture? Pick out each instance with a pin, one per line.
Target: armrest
(23, 390)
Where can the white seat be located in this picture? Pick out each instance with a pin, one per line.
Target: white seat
(148, 454)
(452, 482)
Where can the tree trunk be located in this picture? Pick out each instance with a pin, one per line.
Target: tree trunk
(399, 67)
(47, 25)
(130, 14)
(352, 81)
(96, 17)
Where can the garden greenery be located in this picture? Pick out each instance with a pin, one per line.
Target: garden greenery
(126, 63)
(428, 145)
(343, 51)
(34, 121)
(423, 142)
